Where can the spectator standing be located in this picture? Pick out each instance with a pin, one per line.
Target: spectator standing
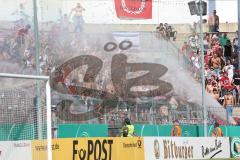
(21, 34)
(235, 44)
(78, 18)
(215, 93)
(160, 29)
(236, 81)
(228, 103)
(213, 22)
(205, 44)
(209, 87)
(216, 64)
(225, 83)
(207, 72)
(228, 50)
(229, 69)
(224, 39)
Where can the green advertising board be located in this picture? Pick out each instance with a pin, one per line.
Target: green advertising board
(82, 130)
(187, 130)
(15, 132)
(164, 130)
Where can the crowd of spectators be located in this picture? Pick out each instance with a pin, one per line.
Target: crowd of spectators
(222, 78)
(59, 43)
(56, 46)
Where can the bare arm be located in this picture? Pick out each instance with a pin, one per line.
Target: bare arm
(233, 101)
(224, 102)
(217, 21)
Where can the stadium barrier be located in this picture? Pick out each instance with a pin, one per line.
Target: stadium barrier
(87, 130)
(82, 130)
(12, 150)
(91, 149)
(186, 148)
(134, 148)
(187, 130)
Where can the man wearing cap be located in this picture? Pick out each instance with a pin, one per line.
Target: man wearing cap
(213, 22)
(176, 130)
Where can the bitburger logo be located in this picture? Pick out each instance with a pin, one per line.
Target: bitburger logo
(156, 149)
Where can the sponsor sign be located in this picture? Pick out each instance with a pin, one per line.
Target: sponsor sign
(235, 147)
(39, 149)
(129, 149)
(14, 150)
(91, 149)
(186, 148)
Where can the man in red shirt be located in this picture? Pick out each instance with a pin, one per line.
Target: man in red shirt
(21, 33)
(225, 83)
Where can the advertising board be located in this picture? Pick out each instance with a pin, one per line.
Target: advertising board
(91, 149)
(235, 147)
(186, 148)
(14, 150)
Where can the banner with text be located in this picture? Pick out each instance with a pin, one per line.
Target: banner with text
(15, 150)
(186, 148)
(92, 149)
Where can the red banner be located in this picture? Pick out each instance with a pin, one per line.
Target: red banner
(133, 9)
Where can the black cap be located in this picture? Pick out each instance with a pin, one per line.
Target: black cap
(127, 121)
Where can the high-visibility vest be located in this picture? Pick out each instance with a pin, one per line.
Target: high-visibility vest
(217, 132)
(176, 131)
(130, 129)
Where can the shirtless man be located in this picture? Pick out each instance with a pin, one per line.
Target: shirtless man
(213, 22)
(228, 103)
(216, 63)
(77, 17)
